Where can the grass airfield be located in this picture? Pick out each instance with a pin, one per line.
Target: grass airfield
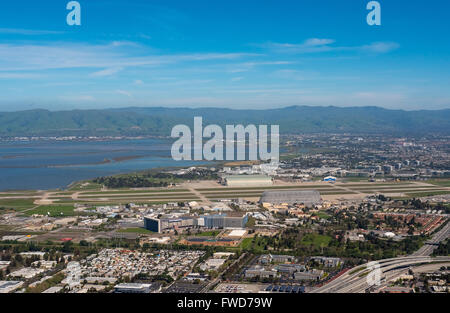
(209, 191)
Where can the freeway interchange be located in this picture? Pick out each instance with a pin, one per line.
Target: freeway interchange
(372, 275)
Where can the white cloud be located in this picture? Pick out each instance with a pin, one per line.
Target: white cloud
(124, 43)
(77, 98)
(106, 72)
(380, 47)
(315, 45)
(318, 42)
(7, 75)
(14, 57)
(125, 93)
(85, 98)
(28, 32)
(144, 36)
(246, 66)
(292, 74)
(308, 46)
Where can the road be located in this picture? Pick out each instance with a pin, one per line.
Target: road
(430, 245)
(358, 279)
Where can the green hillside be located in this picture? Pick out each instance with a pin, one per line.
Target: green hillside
(159, 121)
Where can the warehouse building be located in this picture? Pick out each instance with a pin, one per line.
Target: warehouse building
(132, 288)
(327, 261)
(247, 180)
(259, 271)
(306, 197)
(313, 274)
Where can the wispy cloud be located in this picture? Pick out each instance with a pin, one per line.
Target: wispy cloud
(308, 46)
(108, 56)
(246, 66)
(292, 74)
(7, 75)
(78, 98)
(125, 93)
(381, 47)
(144, 36)
(316, 45)
(106, 72)
(28, 32)
(312, 42)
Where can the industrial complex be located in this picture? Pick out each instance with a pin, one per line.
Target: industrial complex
(217, 221)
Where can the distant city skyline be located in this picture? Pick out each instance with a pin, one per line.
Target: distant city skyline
(234, 54)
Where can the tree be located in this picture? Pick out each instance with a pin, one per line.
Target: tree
(19, 258)
(67, 246)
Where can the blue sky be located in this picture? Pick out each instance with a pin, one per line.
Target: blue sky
(235, 54)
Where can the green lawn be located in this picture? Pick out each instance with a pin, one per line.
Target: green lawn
(108, 202)
(258, 246)
(19, 194)
(212, 233)
(19, 204)
(136, 230)
(141, 196)
(54, 210)
(316, 240)
(60, 198)
(427, 194)
(357, 270)
(399, 188)
(337, 193)
(352, 179)
(246, 243)
(322, 215)
(375, 185)
(364, 274)
(131, 191)
(63, 193)
(439, 182)
(251, 222)
(232, 195)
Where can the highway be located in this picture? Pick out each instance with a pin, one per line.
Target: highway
(431, 244)
(358, 279)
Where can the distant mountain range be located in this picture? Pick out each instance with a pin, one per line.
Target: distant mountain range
(159, 121)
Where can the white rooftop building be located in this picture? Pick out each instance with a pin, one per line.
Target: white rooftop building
(247, 180)
(9, 286)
